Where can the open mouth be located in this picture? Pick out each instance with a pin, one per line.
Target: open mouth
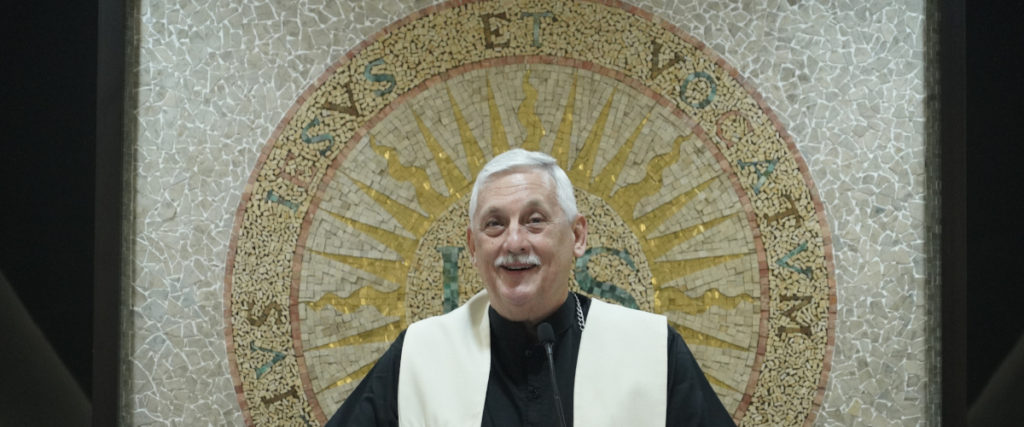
(522, 267)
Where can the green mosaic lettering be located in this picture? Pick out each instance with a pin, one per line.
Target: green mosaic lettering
(278, 356)
(536, 24)
(450, 276)
(784, 261)
(762, 174)
(275, 198)
(316, 139)
(708, 98)
(377, 78)
(601, 289)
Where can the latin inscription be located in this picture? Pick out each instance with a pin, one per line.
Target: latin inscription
(785, 261)
(763, 169)
(598, 288)
(450, 274)
(277, 357)
(537, 16)
(377, 78)
(795, 325)
(738, 131)
(270, 309)
(657, 69)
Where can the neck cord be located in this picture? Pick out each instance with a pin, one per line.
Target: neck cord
(579, 312)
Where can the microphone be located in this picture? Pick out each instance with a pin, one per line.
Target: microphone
(546, 335)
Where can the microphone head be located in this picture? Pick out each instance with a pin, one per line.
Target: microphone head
(545, 333)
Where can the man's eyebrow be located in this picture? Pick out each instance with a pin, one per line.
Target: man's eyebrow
(544, 207)
(532, 203)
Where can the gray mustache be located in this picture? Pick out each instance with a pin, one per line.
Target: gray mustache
(529, 258)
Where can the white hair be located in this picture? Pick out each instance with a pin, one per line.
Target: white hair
(519, 159)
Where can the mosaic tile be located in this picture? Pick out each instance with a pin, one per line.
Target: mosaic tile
(688, 187)
(845, 80)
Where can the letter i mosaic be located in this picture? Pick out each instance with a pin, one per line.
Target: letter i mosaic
(701, 208)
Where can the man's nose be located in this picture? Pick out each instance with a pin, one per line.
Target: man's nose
(516, 240)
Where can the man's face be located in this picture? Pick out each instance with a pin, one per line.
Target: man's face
(523, 245)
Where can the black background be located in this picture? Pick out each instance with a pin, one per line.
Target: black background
(47, 169)
(47, 165)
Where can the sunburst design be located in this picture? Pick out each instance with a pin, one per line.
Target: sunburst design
(601, 176)
(353, 223)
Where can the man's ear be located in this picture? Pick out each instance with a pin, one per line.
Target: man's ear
(470, 244)
(579, 232)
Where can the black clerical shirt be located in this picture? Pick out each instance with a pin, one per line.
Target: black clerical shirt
(519, 391)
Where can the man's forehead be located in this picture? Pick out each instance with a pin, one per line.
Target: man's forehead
(517, 174)
(519, 170)
(534, 197)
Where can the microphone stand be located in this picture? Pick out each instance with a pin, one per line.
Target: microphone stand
(547, 336)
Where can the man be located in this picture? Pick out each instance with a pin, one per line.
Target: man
(482, 364)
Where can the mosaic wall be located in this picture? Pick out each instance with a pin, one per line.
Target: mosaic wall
(723, 154)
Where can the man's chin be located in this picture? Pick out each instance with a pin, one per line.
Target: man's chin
(518, 298)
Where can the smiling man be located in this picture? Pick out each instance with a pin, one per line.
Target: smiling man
(596, 364)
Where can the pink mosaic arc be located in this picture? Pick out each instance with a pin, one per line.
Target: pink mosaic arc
(352, 225)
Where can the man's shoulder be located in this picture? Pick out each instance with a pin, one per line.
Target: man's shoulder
(467, 325)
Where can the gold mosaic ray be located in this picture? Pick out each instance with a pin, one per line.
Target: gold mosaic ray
(385, 333)
(474, 155)
(429, 199)
(602, 184)
(528, 116)
(499, 141)
(583, 167)
(358, 375)
(694, 337)
(674, 299)
(452, 177)
(672, 270)
(392, 271)
(390, 303)
(399, 243)
(411, 220)
(653, 219)
(626, 198)
(658, 246)
(560, 150)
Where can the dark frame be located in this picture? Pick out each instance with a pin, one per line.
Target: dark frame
(953, 241)
(109, 210)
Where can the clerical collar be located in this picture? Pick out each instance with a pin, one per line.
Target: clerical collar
(563, 318)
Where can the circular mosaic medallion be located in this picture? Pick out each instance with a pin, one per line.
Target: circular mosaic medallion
(700, 208)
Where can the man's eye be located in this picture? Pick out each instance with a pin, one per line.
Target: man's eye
(536, 223)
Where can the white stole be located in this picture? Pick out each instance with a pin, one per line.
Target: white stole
(622, 368)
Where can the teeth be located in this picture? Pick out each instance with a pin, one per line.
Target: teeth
(518, 268)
